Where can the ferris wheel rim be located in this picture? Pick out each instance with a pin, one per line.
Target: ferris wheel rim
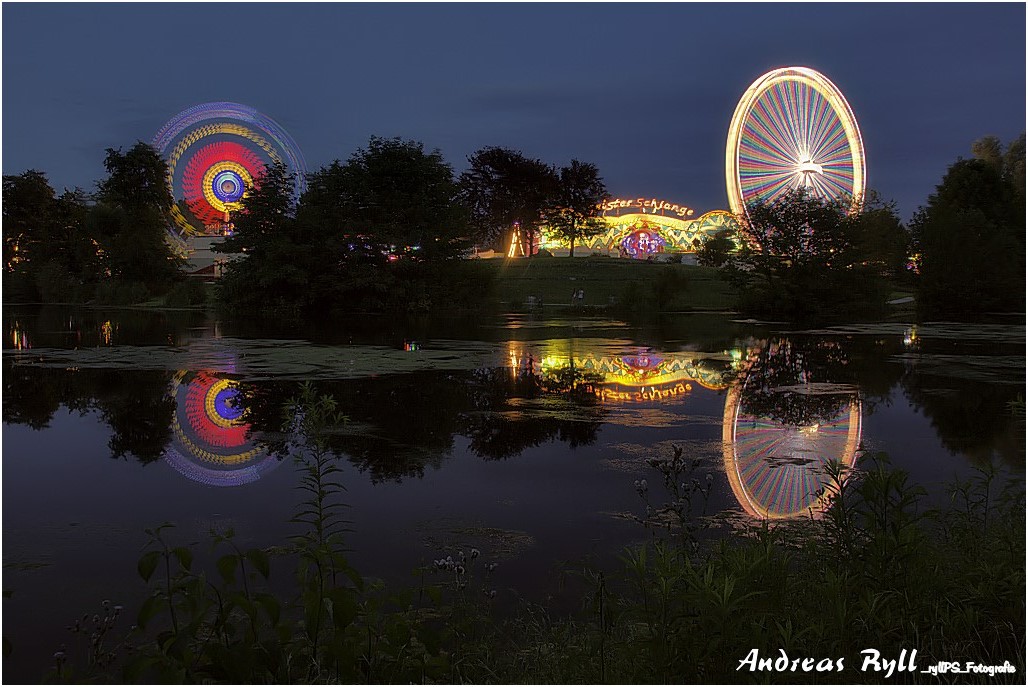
(839, 106)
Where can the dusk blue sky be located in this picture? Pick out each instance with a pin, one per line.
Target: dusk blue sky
(646, 92)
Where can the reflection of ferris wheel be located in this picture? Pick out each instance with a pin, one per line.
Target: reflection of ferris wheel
(777, 469)
(793, 128)
(212, 443)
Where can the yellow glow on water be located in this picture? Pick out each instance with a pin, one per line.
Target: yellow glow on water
(19, 339)
(106, 332)
(910, 336)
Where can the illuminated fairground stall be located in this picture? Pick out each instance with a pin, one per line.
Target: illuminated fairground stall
(640, 228)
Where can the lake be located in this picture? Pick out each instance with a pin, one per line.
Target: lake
(524, 436)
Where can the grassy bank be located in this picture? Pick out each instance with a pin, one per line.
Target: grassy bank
(876, 573)
(609, 280)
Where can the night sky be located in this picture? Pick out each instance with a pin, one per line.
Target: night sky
(646, 92)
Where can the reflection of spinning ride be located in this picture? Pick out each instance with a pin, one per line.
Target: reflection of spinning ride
(793, 128)
(211, 442)
(215, 151)
(776, 468)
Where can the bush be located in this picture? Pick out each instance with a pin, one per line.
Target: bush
(121, 293)
(54, 285)
(187, 293)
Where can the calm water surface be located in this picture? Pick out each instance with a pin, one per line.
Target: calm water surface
(522, 436)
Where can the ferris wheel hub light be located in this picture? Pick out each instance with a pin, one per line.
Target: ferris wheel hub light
(810, 168)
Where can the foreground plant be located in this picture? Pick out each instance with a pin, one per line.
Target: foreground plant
(877, 570)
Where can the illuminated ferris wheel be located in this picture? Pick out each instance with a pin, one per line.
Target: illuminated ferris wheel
(793, 129)
(215, 152)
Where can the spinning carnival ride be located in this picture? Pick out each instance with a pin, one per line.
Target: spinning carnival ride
(793, 128)
(215, 152)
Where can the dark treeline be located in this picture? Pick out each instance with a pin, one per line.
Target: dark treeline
(801, 257)
(383, 231)
(108, 247)
(970, 237)
(386, 231)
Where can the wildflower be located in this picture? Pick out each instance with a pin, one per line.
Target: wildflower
(96, 618)
(460, 569)
(491, 593)
(490, 567)
(118, 609)
(474, 554)
(643, 486)
(58, 655)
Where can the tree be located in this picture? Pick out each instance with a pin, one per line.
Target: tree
(571, 212)
(717, 249)
(130, 219)
(880, 240)
(391, 198)
(369, 234)
(28, 217)
(503, 189)
(970, 238)
(279, 254)
(47, 254)
(804, 257)
(397, 211)
(136, 179)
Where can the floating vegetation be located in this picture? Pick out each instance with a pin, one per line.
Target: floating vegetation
(994, 369)
(817, 389)
(631, 458)
(27, 565)
(257, 359)
(958, 331)
(494, 542)
(642, 417)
